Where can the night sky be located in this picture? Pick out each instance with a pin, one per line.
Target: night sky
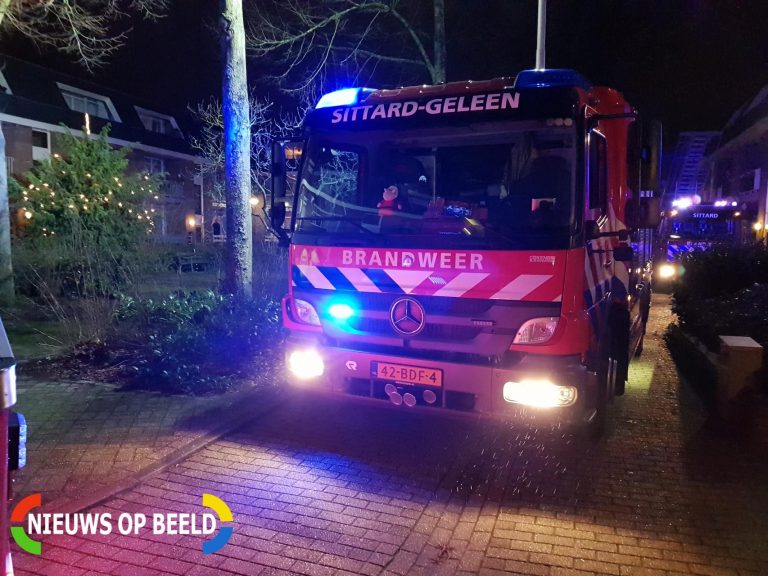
(689, 63)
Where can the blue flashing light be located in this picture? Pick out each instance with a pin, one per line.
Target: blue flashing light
(343, 97)
(341, 311)
(551, 77)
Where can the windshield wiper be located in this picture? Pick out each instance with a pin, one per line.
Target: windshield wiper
(352, 220)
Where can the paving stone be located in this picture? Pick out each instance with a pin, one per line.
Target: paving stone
(321, 488)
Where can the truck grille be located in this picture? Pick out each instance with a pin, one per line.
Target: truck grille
(453, 325)
(432, 304)
(431, 331)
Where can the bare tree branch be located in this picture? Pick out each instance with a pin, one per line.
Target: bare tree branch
(305, 38)
(267, 123)
(84, 29)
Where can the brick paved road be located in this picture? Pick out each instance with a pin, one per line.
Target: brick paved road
(319, 489)
(86, 436)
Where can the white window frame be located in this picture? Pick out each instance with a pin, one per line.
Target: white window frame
(4, 84)
(146, 115)
(111, 111)
(148, 161)
(39, 153)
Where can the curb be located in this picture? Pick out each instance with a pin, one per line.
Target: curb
(245, 411)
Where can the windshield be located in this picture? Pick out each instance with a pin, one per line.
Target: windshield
(713, 230)
(481, 185)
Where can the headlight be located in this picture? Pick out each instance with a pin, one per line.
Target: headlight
(667, 271)
(539, 393)
(537, 331)
(306, 364)
(305, 312)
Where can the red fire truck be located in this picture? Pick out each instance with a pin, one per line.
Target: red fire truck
(689, 227)
(472, 246)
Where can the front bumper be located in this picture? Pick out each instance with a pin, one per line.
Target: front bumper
(468, 388)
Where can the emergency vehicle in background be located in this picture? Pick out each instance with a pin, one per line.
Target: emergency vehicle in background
(689, 226)
(511, 271)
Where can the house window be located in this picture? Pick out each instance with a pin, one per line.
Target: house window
(156, 122)
(154, 165)
(88, 103)
(749, 181)
(218, 232)
(159, 125)
(41, 145)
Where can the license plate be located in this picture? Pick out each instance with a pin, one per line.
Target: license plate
(409, 375)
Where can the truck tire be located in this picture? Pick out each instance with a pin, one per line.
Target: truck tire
(646, 312)
(606, 369)
(619, 350)
(639, 349)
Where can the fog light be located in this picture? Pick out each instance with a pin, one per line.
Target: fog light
(539, 393)
(306, 364)
(667, 271)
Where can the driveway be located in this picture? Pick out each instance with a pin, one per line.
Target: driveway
(321, 487)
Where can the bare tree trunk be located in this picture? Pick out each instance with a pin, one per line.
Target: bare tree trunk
(237, 153)
(439, 42)
(6, 266)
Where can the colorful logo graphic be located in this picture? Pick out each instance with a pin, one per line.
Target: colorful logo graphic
(225, 515)
(126, 523)
(19, 514)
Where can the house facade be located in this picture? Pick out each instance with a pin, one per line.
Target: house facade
(739, 165)
(38, 105)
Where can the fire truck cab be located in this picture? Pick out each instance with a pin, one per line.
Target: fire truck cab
(689, 227)
(472, 246)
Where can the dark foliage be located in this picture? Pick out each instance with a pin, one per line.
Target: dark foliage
(693, 364)
(724, 291)
(196, 343)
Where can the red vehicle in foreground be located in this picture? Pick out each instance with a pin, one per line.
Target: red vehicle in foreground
(12, 444)
(475, 246)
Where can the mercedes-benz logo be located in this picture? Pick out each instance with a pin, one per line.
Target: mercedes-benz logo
(407, 316)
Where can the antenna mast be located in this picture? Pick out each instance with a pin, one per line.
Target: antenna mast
(541, 38)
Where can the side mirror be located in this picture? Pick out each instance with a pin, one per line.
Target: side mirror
(623, 254)
(278, 172)
(285, 159)
(651, 156)
(649, 215)
(592, 231)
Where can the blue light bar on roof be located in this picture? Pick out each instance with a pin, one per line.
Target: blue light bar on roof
(551, 77)
(343, 97)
